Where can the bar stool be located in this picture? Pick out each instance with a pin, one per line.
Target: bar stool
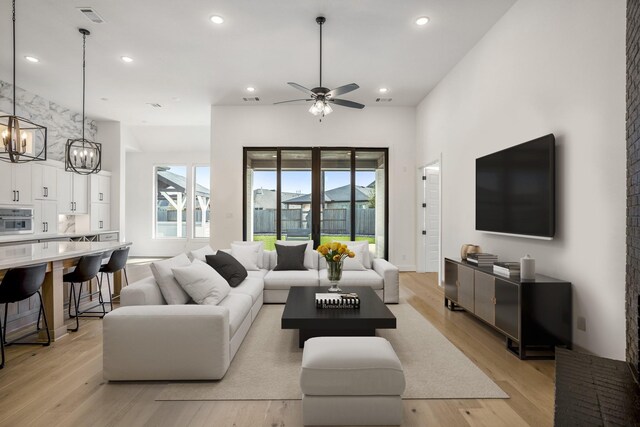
(86, 270)
(19, 284)
(117, 262)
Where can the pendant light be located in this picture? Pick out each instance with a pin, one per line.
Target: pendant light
(81, 155)
(22, 140)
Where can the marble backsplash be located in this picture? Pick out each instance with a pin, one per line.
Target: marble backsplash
(66, 223)
(61, 123)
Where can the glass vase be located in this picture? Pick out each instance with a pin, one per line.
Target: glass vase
(334, 274)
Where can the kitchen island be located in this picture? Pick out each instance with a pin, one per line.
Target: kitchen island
(58, 256)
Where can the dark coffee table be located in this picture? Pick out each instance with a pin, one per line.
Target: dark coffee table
(300, 312)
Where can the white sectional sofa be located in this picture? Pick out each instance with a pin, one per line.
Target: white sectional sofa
(146, 339)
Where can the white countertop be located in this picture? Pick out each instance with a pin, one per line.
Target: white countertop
(38, 236)
(20, 255)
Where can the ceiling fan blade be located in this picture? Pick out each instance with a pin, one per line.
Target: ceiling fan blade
(345, 103)
(292, 100)
(302, 88)
(342, 90)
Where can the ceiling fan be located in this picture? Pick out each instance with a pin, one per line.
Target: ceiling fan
(321, 96)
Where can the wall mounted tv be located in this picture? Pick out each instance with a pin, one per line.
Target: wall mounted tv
(515, 190)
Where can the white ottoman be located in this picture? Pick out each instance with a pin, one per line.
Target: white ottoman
(351, 380)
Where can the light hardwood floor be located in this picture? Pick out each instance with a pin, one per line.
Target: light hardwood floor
(62, 384)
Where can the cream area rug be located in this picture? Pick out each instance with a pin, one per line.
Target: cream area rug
(267, 366)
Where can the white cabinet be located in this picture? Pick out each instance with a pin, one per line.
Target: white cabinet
(44, 182)
(72, 193)
(15, 183)
(100, 216)
(100, 189)
(45, 217)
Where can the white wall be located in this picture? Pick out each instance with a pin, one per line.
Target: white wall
(235, 127)
(140, 203)
(546, 66)
(113, 160)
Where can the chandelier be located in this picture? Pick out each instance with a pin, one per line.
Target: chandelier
(81, 155)
(22, 140)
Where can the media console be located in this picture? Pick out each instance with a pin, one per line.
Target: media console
(533, 315)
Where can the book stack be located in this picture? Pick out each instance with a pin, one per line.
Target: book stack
(507, 269)
(329, 300)
(481, 259)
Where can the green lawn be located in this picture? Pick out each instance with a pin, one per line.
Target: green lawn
(270, 239)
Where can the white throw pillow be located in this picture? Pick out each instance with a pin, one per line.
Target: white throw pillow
(310, 255)
(260, 251)
(169, 287)
(366, 259)
(200, 254)
(203, 283)
(247, 255)
(355, 263)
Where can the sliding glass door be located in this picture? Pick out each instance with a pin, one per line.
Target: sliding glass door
(322, 194)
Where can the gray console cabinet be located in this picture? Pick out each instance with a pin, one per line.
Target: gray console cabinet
(533, 315)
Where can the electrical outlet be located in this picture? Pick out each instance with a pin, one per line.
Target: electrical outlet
(582, 324)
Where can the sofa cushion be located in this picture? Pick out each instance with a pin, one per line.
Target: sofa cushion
(249, 254)
(170, 288)
(250, 286)
(228, 267)
(357, 262)
(258, 274)
(310, 255)
(203, 284)
(366, 260)
(239, 306)
(290, 257)
(260, 246)
(287, 279)
(201, 253)
(354, 278)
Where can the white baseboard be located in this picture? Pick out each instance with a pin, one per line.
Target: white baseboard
(406, 267)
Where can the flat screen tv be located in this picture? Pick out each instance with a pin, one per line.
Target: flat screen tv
(515, 190)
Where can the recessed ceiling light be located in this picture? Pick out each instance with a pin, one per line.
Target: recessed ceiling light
(383, 90)
(175, 99)
(422, 20)
(126, 58)
(104, 99)
(251, 89)
(216, 19)
(31, 58)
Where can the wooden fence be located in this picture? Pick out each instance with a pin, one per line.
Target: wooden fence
(334, 221)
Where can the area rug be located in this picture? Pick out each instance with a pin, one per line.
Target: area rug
(267, 366)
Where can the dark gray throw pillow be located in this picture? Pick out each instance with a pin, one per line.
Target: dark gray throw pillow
(228, 267)
(290, 257)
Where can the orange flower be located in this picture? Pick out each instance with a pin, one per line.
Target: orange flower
(336, 258)
(351, 254)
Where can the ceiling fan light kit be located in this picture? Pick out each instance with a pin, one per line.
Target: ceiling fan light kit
(321, 96)
(22, 140)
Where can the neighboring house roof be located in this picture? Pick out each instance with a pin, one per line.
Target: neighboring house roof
(340, 194)
(266, 199)
(169, 181)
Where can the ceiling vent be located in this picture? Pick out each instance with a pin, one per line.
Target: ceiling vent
(383, 99)
(154, 104)
(91, 15)
(251, 99)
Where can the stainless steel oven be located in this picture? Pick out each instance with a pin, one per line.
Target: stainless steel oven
(16, 220)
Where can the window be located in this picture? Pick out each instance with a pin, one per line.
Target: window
(171, 201)
(321, 194)
(182, 202)
(202, 201)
